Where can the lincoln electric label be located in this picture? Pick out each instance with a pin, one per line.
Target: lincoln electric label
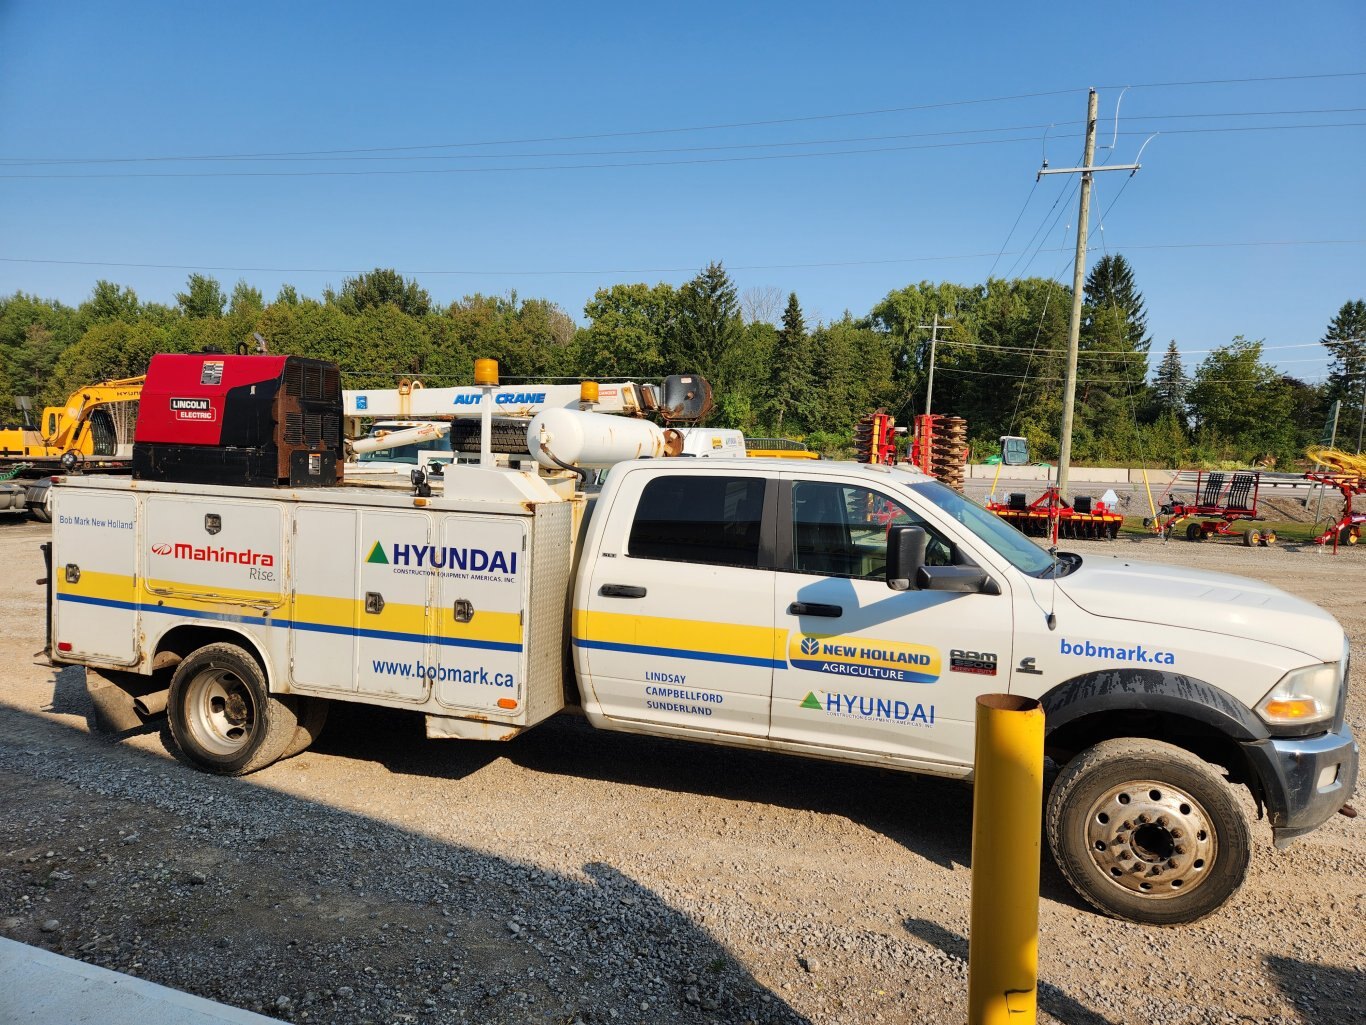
(197, 409)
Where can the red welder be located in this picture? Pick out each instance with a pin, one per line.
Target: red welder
(211, 418)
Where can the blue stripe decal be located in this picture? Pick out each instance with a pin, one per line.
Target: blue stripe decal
(227, 617)
(701, 656)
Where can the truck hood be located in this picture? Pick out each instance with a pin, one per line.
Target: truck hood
(1215, 602)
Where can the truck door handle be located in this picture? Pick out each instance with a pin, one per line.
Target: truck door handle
(811, 608)
(621, 591)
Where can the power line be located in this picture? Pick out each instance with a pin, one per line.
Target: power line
(20, 162)
(1086, 380)
(617, 165)
(1236, 81)
(393, 153)
(690, 269)
(1011, 234)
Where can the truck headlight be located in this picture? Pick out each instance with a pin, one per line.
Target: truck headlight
(1303, 696)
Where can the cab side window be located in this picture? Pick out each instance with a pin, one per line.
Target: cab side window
(840, 530)
(697, 518)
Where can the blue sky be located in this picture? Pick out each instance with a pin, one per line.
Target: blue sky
(138, 80)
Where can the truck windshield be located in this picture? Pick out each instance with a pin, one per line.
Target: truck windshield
(1002, 538)
(401, 454)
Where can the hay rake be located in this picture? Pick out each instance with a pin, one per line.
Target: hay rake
(1223, 504)
(1347, 473)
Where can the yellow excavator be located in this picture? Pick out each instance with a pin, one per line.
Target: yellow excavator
(91, 431)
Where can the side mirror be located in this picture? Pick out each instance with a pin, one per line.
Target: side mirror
(905, 555)
(958, 579)
(1014, 450)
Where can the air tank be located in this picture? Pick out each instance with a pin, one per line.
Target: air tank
(559, 437)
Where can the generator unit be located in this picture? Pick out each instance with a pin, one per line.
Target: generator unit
(213, 418)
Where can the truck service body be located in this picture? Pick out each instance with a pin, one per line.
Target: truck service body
(740, 603)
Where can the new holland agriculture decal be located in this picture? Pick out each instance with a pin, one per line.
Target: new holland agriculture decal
(864, 659)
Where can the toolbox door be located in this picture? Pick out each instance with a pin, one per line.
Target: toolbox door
(94, 576)
(479, 657)
(323, 614)
(393, 604)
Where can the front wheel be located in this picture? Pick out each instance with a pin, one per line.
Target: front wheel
(222, 714)
(1148, 832)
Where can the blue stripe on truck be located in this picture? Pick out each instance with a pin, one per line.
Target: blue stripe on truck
(327, 628)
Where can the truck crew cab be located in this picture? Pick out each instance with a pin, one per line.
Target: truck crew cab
(840, 611)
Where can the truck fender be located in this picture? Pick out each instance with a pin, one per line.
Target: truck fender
(213, 631)
(1150, 690)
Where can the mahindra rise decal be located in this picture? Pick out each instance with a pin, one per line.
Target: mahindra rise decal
(259, 565)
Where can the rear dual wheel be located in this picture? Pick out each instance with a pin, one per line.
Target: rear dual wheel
(223, 716)
(1148, 832)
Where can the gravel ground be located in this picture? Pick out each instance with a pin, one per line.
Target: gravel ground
(581, 876)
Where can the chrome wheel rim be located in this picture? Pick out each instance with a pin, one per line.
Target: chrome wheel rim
(1151, 838)
(222, 713)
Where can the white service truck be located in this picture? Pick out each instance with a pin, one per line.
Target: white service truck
(760, 604)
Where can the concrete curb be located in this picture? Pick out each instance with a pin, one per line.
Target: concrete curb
(38, 987)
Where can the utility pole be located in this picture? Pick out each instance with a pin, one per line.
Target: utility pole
(1361, 422)
(1069, 397)
(934, 344)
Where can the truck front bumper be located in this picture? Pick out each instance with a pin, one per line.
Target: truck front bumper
(1304, 780)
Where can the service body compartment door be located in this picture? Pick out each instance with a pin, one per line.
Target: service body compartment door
(325, 607)
(214, 551)
(869, 668)
(394, 594)
(94, 575)
(678, 628)
(478, 653)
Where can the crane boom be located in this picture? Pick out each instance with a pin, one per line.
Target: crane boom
(523, 401)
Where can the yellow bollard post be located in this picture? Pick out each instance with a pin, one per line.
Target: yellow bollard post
(1007, 822)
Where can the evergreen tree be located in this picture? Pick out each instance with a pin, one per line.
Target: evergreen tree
(1114, 327)
(709, 325)
(1170, 384)
(792, 370)
(1346, 340)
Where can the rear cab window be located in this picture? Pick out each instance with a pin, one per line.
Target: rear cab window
(717, 520)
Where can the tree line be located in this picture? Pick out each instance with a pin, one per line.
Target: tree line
(999, 357)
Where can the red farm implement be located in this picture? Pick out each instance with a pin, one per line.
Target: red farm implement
(1218, 503)
(1051, 515)
(1347, 529)
(939, 445)
(1347, 473)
